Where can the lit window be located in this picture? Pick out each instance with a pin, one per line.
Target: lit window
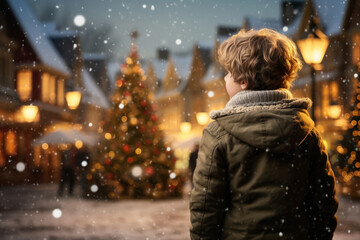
(24, 85)
(11, 143)
(356, 48)
(45, 79)
(52, 90)
(2, 156)
(60, 92)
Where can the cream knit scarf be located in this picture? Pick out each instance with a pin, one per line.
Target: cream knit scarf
(247, 100)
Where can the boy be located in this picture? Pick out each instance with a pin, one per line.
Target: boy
(262, 170)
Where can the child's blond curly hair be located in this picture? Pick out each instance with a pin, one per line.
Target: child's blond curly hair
(266, 59)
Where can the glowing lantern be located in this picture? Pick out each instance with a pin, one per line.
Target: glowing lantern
(185, 127)
(202, 118)
(73, 99)
(29, 112)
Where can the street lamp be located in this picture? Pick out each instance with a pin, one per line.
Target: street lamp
(313, 47)
(185, 127)
(202, 118)
(29, 112)
(73, 99)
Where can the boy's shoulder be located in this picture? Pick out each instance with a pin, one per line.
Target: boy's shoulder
(215, 130)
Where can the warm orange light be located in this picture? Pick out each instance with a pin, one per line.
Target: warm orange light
(78, 144)
(29, 112)
(202, 118)
(24, 84)
(313, 47)
(73, 99)
(45, 146)
(108, 136)
(185, 127)
(334, 111)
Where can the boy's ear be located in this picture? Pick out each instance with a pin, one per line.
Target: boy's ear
(243, 84)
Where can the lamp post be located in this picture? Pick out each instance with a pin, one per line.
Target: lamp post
(313, 46)
(202, 118)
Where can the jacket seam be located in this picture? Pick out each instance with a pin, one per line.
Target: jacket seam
(207, 188)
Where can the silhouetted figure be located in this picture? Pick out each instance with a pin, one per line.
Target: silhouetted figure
(83, 161)
(68, 166)
(192, 161)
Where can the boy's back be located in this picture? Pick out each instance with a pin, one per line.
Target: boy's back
(262, 170)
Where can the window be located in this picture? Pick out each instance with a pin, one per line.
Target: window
(356, 48)
(24, 85)
(2, 155)
(52, 90)
(45, 79)
(60, 92)
(11, 143)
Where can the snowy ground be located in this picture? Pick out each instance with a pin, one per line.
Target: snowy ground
(26, 212)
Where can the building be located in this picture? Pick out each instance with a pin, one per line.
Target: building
(38, 66)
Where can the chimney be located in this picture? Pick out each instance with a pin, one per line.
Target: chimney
(163, 53)
(227, 31)
(290, 10)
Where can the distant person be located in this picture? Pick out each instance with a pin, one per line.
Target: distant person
(68, 168)
(83, 161)
(192, 161)
(262, 171)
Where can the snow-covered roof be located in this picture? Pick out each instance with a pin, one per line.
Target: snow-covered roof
(52, 31)
(258, 23)
(212, 74)
(292, 28)
(332, 15)
(160, 67)
(94, 56)
(113, 68)
(182, 63)
(34, 31)
(93, 95)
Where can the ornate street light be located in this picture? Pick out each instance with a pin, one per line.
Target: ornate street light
(73, 99)
(313, 46)
(29, 112)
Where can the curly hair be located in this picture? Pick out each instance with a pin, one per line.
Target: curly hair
(266, 59)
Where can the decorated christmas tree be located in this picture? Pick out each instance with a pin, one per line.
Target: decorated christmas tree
(133, 160)
(348, 158)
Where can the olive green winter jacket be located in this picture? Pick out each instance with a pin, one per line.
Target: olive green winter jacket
(263, 173)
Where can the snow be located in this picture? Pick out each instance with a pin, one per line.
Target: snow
(258, 23)
(35, 33)
(213, 73)
(30, 212)
(182, 63)
(160, 67)
(332, 15)
(93, 94)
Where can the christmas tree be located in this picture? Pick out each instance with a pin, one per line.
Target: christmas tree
(133, 160)
(348, 158)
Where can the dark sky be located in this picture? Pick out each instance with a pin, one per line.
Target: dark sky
(159, 22)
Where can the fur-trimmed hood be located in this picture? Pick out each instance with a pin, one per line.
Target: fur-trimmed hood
(270, 120)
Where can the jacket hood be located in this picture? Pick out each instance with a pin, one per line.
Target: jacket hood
(277, 126)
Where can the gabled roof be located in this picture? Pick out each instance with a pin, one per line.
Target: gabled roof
(34, 32)
(50, 29)
(258, 23)
(332, 15)
(182, 63)
(213, 73)
(93, 94)
(94, 56)
(160, 67)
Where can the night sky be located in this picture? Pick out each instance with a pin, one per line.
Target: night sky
(173, 24)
